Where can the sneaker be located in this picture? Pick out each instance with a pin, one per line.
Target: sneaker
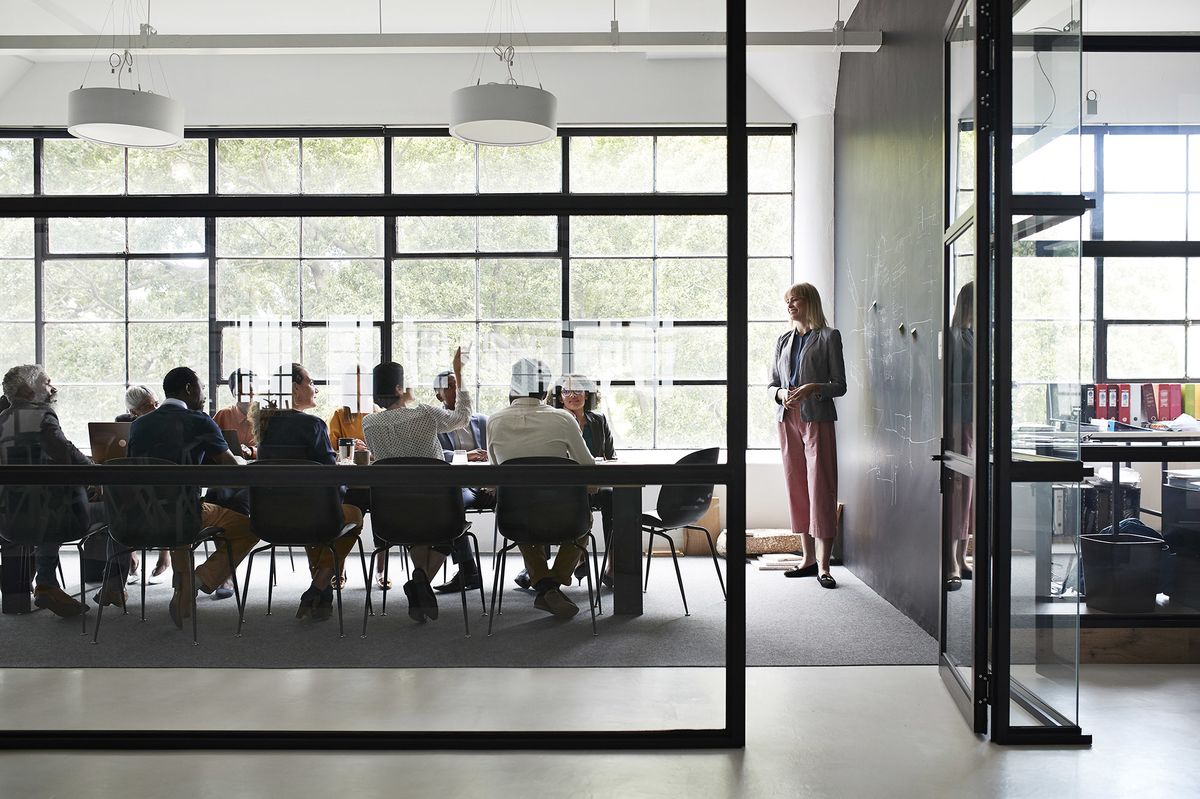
(58, 602)
(555, 601)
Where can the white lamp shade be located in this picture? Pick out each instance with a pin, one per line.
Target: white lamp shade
(124, 117)
(503, 114)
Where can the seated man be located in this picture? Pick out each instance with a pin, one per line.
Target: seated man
(181, 432)
(30, 434)
(473, 439)
(291, 433)
(529, 428)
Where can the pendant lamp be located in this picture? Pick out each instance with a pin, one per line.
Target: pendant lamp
(126, 114)
(508, 113)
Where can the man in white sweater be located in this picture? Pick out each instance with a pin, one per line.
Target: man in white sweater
(530, 428)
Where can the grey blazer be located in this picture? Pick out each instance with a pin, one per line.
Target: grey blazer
(821, 362)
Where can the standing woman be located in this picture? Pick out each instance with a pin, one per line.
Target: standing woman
(808, 372)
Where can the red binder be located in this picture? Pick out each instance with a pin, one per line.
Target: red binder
(1174, 400)
(1101, 401)
(1149, 405)
(1164, 402)
(1123, 403)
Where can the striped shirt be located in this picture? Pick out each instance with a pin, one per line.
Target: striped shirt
(412, 432)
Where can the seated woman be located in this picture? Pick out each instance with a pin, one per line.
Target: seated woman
(139, 400)
(407, 429)
(291, 433)
(578, 395)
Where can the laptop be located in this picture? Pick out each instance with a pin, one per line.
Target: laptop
(109, 440)
(231, 438)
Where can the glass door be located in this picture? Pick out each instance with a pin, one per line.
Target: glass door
(965, 355)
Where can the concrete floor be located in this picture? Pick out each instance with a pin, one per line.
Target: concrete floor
(877, 731)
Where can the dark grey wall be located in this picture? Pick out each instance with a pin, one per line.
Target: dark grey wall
(888, 231)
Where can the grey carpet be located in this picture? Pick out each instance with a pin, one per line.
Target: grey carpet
(790, 622)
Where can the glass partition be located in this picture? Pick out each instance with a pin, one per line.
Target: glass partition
(1043, 615)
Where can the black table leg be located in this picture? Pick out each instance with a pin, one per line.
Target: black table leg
(16, 578)
(627, 550)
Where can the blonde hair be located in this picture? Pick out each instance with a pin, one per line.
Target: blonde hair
(812, 303)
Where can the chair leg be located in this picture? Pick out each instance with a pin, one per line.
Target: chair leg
(482, 598)
(337, 589)
(497, 568)
(195, 609)
(462, 590)
(367, 609)
(82, 587)
(595, 560)
(503, 573)
(679, 576)
(650, 557)
(404, 557)
(232, 570)
(362, 558)
(712, 548)
(593, 600)
(100, 610)
(387, 565)
(292, 558)
(271, 582)
(245, 593)
(143, 581)
(62, 578)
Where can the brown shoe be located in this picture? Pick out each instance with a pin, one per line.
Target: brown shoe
(555, 601)
(111, 595)
(58, 602)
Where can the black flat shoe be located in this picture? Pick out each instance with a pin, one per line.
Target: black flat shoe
(953, 583)
(581, 571)
(826, 581)
(967, 573)
(324, 608)
(308, 602)
(425, 595)
(522, 580)
(414, 602)
(807, 571)
(458, 583)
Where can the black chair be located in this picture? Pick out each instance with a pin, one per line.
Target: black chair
(297, 516)
(540, 515)
(31, 516)
(679, 508)
(154, 518)
(406, 516)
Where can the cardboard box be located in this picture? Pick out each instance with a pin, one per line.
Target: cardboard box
(693, 540)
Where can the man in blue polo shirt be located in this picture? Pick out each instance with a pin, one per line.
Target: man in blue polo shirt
(181, 432)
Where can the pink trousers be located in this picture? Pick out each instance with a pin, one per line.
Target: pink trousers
(810, 471)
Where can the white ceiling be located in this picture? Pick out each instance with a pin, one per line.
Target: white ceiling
(801, 82)
(32, 17)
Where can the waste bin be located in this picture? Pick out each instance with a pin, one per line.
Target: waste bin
(1121, 572)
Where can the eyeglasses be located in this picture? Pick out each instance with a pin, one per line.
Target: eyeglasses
(571, 392)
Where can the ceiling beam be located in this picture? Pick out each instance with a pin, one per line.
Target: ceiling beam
(275, 43)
